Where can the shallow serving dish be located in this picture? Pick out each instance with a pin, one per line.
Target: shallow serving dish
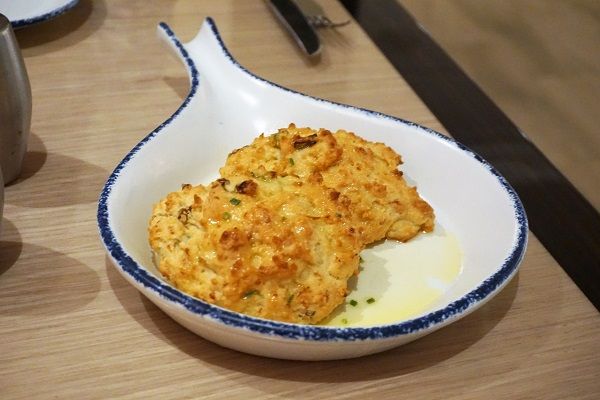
(226, 107)
(22, 13)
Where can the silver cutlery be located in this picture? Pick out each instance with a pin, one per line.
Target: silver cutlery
(322, 21)
(301, 19)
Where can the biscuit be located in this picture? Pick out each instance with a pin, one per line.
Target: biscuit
(365, 174)
(277, 251)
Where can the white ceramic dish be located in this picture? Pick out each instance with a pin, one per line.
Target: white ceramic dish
(226, 107)
(27, 12)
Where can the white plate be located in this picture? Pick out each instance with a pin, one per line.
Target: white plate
(26, 12)
(226, 107)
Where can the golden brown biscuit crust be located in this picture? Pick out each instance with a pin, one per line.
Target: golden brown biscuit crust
(280, 233)
(365, 174)
(278, 253)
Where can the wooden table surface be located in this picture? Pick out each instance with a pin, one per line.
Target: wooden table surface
(71, 327)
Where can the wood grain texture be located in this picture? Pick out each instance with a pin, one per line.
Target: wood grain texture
(535, 59)
(71, 327)
(476, 121)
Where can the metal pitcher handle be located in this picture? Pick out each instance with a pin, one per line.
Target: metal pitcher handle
(15, 104)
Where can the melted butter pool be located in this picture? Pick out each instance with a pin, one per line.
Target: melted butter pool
(400, 280)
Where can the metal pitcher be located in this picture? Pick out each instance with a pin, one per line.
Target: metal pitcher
(15, 104)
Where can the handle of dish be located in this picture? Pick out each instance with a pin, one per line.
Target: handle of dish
(206, 56)
(176, 48)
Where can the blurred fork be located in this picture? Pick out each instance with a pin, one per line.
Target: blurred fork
(322, 21)
(315, 15)
(301, 18)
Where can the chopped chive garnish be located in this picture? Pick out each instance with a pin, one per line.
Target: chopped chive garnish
(353, 303)
(249, 293)
(360, 259)
(344, 321)
(289, 299)
(291, 160)
(338, 215)
(226, 215)
(370, 300)
(235, 202)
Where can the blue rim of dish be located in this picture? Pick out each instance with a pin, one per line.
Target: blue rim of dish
(295, 331)
(20, 23)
